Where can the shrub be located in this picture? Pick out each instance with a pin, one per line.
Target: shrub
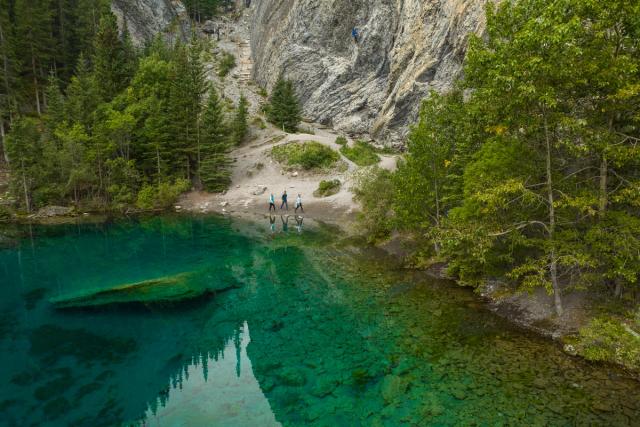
(362, 154)
(263, 92)
(5, 213)
(161, 196)
(226, 64)
(609, 340)
(307, 130)
(328, 188)
(341, 140)
(374, 191)
(259, 123)
(308, 155)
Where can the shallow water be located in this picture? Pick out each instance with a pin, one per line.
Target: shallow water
(317, 333)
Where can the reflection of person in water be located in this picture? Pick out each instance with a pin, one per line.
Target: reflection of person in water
(272, 222)
(299, 220)
(285, 223)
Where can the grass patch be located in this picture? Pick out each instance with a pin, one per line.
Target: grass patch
(362, 154)
(226, 64)
(307, 130)
(259, 123)
(341, 140)
(328, 188)
(308, 155)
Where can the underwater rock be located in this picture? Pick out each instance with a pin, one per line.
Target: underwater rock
(393, 387)
(165, 290)
(324, 387)
(292, 377)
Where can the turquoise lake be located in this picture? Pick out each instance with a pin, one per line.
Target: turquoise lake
(316, 331)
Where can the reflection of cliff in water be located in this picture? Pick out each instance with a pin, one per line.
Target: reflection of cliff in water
(215, 389)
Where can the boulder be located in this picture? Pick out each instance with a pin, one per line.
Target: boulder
(53, 211)
(260, 190)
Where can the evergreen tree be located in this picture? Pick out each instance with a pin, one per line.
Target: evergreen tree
(33, 24)
(187, 90)
(112, 63)
(82, 95)
(55, 115)
(8, 75)
(87, 22)
(213, 165)
(284, 108)
(24, 149)
(240, 121)
(66, 46)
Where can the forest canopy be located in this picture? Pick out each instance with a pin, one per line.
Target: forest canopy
(530, 168)
(89, 119)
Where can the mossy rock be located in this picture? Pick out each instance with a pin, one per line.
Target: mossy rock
(164, 290)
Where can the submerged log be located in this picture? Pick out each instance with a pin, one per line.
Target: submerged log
(165, 290)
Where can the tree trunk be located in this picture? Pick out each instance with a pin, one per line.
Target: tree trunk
(618, 290)
(5, 62)
(158, 160)
(603, 196)
(199, 155)
(3, 142)
(27, 202)
(553, 263)
(35, 83)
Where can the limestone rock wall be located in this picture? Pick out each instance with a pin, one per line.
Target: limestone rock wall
(146, 18)
(407, 48)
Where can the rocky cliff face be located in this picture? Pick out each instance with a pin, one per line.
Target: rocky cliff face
(146, 18)
(406, 49)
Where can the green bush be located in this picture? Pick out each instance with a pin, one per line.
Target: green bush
(362, 154)
(263, 92)
(259, 123)
(341, 140)
(161, 196)
(5, 213)
(608, 340)
(226, 64)
(308, 155)
(328, 188)
(374, 189)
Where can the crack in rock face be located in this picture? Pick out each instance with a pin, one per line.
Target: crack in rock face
(146, 18)
(374, 86)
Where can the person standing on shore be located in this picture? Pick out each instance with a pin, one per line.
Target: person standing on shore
(272, 202)
(284, 201)
(299, 204)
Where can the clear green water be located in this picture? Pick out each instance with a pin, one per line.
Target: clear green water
(318, 333)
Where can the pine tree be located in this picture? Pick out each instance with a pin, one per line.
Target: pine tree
(187, 90)
(284, 108)
(82, 95)
(213, 165)
(87, 19)
(111, 61)
(55, 114)
(240, 121)
(33, 24)
(24, 150)
(8, 75)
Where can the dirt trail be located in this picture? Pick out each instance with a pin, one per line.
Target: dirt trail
(255, 175)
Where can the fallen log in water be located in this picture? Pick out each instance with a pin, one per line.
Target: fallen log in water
(164, 290)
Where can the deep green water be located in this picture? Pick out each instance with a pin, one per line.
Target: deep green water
(318, 333)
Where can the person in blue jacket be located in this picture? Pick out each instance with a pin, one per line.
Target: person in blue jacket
(355, 35)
